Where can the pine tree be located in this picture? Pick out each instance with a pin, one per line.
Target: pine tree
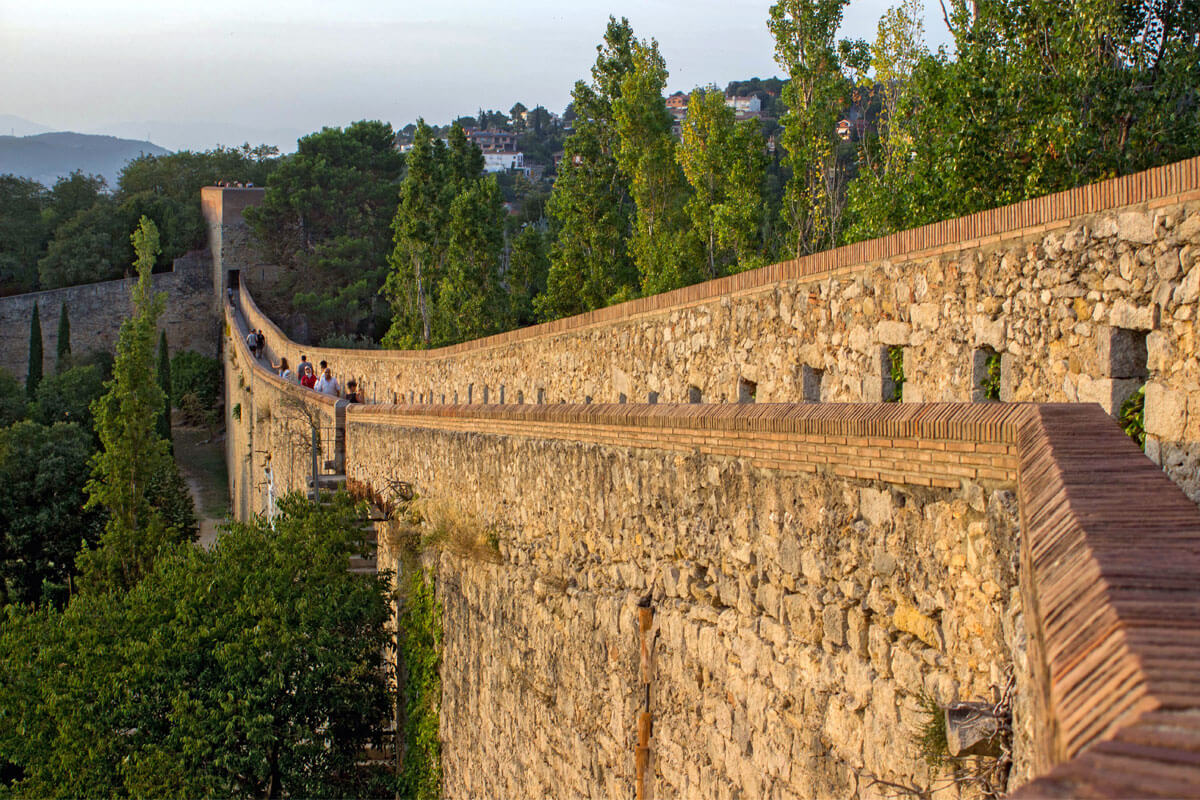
(34, 375)
(164, 383)
(132, 453)
(63, 359)
(724, 161)
(662, 246)
(591, 207)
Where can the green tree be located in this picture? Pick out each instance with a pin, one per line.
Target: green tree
(804, 32)
(42, 473)
(725, 164)
(23, 232)
(417, 260)
(164, 383)
(325, 220)
(591, 208)
(471, 303)
(88, 247)
(12, 399)
(63, 349)
(254, 669)
(67, 396)
(34, 375)
(1037, 97)
(528, 265)
(662, 246)
(75, 193)
(132, 453)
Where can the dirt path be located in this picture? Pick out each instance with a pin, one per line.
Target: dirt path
(202, 462)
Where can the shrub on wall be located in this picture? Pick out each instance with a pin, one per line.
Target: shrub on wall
(419, 651)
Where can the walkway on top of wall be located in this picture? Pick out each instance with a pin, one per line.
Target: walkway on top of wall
(1110, 547)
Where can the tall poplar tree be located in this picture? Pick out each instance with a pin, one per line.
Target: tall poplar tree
(132, 453)
(417, 261)
(662, 245)
(470, 301)
(34, 375)
(805, 32)
(63, 354)
(725, 162)
(590, 208)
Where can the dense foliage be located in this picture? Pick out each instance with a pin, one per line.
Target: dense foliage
(132, 469)
(78, 231)
(325, 219)
(419, 654)
(253, 669)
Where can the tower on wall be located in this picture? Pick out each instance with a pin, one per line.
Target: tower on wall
(229, 237)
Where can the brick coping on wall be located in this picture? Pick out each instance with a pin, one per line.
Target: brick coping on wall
(1110, 550)
(1165, 185)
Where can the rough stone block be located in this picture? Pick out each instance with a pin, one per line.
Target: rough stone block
(1166, 412)
(1125, 314)
(925, 315)
(988, 331)
(891, 332)
(1109, 393)
(1189, 229)
(833, 625)
(909, 619)
(875, 506)
(1136, 227)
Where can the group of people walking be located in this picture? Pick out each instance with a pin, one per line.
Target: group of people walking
(318, 379)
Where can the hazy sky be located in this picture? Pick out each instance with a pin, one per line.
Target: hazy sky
(201, 72)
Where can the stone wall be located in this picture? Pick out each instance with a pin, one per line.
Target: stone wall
(798, 617)
(96, 311)
(1084, 296)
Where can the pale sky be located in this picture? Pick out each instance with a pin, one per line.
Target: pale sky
(197, 73)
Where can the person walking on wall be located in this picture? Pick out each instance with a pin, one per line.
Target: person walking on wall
(327, 384)
(252, 343)
(261, 341)
(283, 371)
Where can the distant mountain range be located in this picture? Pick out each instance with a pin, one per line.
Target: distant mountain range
(46, 157)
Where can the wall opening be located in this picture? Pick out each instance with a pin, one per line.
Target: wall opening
(541, 396)
(443, 400)
(747, 390)
(470, 393)
(621, 398)
(456, 397)
(412, 396)
(810, 383)
(893, 374)
(502, 394)
(1124, 362)
(485, 394)
(986, 373)
(652, 398)
(520, 397)
(694, 395)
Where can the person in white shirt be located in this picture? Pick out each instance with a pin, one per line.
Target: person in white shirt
(328, 384)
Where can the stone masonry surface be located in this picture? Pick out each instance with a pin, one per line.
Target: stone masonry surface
(802, 572)
(96, 311)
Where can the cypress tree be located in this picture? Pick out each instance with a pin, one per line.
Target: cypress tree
(64, 341)
(34, 376)
(164, 383)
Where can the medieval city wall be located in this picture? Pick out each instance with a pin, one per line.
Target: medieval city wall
(1085, 296)
(96, 311)
(745, 599)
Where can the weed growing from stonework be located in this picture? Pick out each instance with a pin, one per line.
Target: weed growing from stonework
(419, 656)
(991, 377)
(931, 737)
(1133, 416)
(896, 371)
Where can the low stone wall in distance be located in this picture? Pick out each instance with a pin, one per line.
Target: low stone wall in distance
(96, 311)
